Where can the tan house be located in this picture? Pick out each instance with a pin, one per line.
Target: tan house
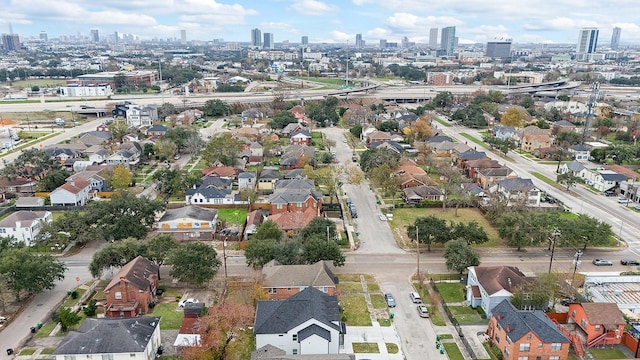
(133, 289)
(530, 142)
(487, 177)
(282, 281)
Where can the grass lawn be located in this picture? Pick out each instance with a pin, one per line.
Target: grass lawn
(377, 300)
(229, 215)
(445, 336)
(436, 317)
(601, 354)
(451, 292)
(350, 287)
(384, 322)
(355, 310)
(404, 217)
(453, 351)
(548, 181)
(171, 318)
(27, 351)
(71, 301)
(373, 287)
(466, 315)
(442, 122)
(366, 348)
(392, 348)
(47, 351)
(46, 329)
(473, 139)
(242, 346)
(354, 278)
(40, 82)
(324, 80)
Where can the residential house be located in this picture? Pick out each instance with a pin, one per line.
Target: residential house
(472, 167)
(300, 137)
(283, 281)
(460, 148)
(530, 130)
(297, 156)
(133, 289)
(214, 182)
(487, 286)
(389, 145)
(211, 196)
(18, 186)
(62, 154)
(602, 323)
(129, 338)
(252, 116)
(103, 128)
(298, 112)
(72, 193)
(270, 352)
(138, 116)
(292, 128)
(531, 142)
(604, 180)
(504, 132)
(443, 147)
(580, 152)
(94, 177)
(306, 323)
(123, 157)
(462, 159)
(268, 178)
(24, 225)
(157, 130)
(377, 137)
(93, 138)
(188, 117)
(226, 172)
(293, 221)
(254, 219)
(130, 138)
(526, 334)
(295, 195)
(420, 193)
(189, 222)
(487, 177)
(517, 190)
(29, 202)
(99, 156)
(574, 167)
(246, 181)
(562, 125)
(189, 333)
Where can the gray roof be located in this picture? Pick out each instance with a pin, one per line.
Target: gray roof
(270, 352)
(575, 166)
(294, 173)
(109, 336)
(247, 175)
(516, 184)
(215, 182)
(521, 322)
(190, 211)
(269, 174)
(304, 132)
(29, 201)
(101, 134)
(501, 171)
(422, 191)
(295, 184)
(158, 128)
(285, 197)
(314, 329)
(318, 274)
(563, 123)
(579, 147)
(613, 177)
(280, 316)
(437, 139)
(471, 155)
(209, 192)
(504, 129)
(26, 217)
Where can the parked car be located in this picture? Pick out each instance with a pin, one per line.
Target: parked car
(609, 193)
(624, 200)
(415, 297)
(382, 217)
(388, 298)
(183, 302)
(423, 311)
(602, 262)
(176, 157)
(568, 300)
(636, 206)
(629, 262)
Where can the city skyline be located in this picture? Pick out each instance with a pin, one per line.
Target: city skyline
(328, 21)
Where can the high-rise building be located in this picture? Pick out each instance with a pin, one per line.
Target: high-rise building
(448, 40)
(433, 38)
(587, 43)
(359, 41)
(183, 36)
(383, 43)
(267, 43)
(11, 42)
(615, 38)
(405, 42)
(95, 36)
(305, 40)
(43, 36)
(116, 37)
(256, 38)
(499, 49)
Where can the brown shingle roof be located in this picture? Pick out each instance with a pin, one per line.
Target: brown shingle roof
(496, 278)
(75, 186)
(140, 272)
(607, 314)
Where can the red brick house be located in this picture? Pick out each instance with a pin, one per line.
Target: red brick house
(526, 334)
(301, 137)
(132, 290)
(293, 221)
(602, 323)
(282, 281)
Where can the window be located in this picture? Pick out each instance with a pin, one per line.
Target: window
(554, 357)
(556, 346)
(525, 347)
(294, 351)
(299, 204)
(497, 338)
(288, 289)
(540, 346)
(597, 327)
(573, 313)
(132, 355)
(279, 206)
(294, 337)
(523, 358)
(583, 322)
(529, 337)
(3, 231)
(118, 295)
(107, 357)
(272, 290)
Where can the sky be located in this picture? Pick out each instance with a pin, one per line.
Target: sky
(328, 21)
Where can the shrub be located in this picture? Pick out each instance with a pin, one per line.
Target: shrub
(91, 309)
(74, 294)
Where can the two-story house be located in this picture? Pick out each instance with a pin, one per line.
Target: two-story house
(489, 285)
(487, 177)
(602, 323)
(301, 137)
(305, 323)
(526, 334)
(132, 289)
(138, 116)
(517, 191)
(72, 193)
(24, 225)
(283, 281)
(97, 181)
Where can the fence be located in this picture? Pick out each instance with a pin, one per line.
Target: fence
(455, 323)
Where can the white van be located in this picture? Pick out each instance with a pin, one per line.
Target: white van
(59, 122)
(415, 297)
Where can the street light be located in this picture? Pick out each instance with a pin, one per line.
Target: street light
(224, 259)
(553, 239)
(418, 253)
(576, 262)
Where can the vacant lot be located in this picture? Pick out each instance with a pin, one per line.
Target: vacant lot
(451, 292)
(404, 217)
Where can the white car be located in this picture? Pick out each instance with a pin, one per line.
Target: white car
(182, 303)
(382, 217)
(624, 200)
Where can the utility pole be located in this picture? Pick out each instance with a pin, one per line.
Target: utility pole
(553, 239)
(418, 252)
(576, 263)
(593, 101)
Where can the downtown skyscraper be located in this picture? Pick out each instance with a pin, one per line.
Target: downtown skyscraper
(268, 41)
(448, 40)
(433, 38)
(615, 38)
(587, 43)
(256, 38)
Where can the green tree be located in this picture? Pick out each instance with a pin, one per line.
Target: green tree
(215, 107)
(165, 110)
(259, 252)
(29, 272)
(470, 116)
(68, 318)
(53, 180)
(538, 293)
(159, 247)
(31, 164)
(429, 229)
(118, 129)
(443, 99)
(373, 158)
(459, 256)
(318, 249)
(356, 131)
(320, 227)
(183, 137)
(471, 232)
(282, 119)
(568, 179)
(125, 215)
(268, 230)
(527, 102)
(121, 178)
(166, 149)
(513, 228)
(116, 255)
(389, 125)
(568, 138)
(195, 263)
(224, 148)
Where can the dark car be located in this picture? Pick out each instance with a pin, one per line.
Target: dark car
(391, 302)
(629, 262)
(568, 300)
(609, 193)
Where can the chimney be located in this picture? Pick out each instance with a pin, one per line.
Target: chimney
(509, 281)
(123, 289)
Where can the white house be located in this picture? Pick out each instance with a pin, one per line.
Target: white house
(112, 338)
(516, 190)
(122, 157)
(580, 152)
(246, 181)
(487, 286)
(604, 180)
(211, 196)
(138, 116)
(24, 225)
(74, 192)
(306, 323)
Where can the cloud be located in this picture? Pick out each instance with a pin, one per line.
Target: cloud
(313, 7)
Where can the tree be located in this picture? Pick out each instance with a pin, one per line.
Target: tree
(166, 149)
(184, 137)
(215, 107)
(224, 148)
(471, 232)
(470, 116)
(268, 230)
(118, 129)
(421, 129)
(443, 99)
(356, 131)
(31, 164)
(321, 227)
(159, 247)
(218, 330)
(428, 229)
(121, 178)
(125, 215)
(53, 180)
(116, 255)
(459, 255)
(259, 252)
(319, 248)
(165, 110)
(388, 125)
(568, 179)
(504, 145)
(194, 263)
(568, 138)
(26, 271)
(68, 318)
(527, 102)
(538, 293)
(514, 116)
(282, 119)
(373, 158)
